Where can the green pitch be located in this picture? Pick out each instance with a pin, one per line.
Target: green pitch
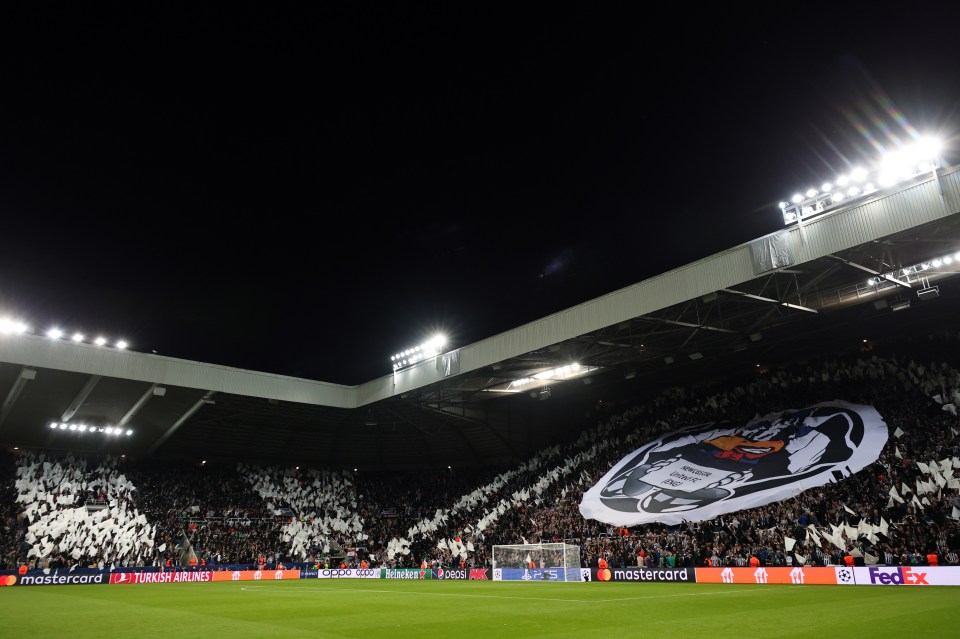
(451, 609)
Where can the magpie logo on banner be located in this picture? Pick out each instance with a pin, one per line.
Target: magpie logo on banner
(699, 472)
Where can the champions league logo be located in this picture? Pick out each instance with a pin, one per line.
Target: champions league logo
(699, 472)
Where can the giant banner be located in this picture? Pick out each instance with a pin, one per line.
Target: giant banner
(699, 472)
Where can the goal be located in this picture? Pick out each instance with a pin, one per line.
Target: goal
(537, 562)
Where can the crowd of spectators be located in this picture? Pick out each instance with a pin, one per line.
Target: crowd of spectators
(238, 514)
(223, 520)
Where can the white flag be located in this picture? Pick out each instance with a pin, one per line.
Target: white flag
(898, 433)
(896, 452)
(923, 467)
(848, 510)
(788, 543)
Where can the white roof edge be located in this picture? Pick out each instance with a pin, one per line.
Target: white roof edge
(916, 203)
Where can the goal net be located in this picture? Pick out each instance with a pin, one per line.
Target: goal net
(537, 562)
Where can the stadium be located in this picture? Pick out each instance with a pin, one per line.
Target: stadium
(492, 448)
(630, 405)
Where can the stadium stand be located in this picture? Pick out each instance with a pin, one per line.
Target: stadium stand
(896, 511)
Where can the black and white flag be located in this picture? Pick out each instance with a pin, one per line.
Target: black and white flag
(699, 472)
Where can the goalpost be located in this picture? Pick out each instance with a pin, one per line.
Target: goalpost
(537, 562)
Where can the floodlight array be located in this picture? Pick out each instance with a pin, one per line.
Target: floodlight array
(12, 326)
(559, 373)
(894, 167)
(84, 428)
(949, 261)
(410, 356)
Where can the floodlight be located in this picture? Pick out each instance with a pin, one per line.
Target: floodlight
(783, 205)
(63, 427)
(100, 341)
(8, 325)
(121, 345)
(82, 428)
(53, 424)
(853, 191)
(937, 263)
(797, 199)
(77, 337)
(54, 333)
(73, 427)
(842, 180)
(109, 430)
(838, 196)
(858, 175)
(948, 260)
(129, 432)
(871, 281)
(928, 148)
(811, 192)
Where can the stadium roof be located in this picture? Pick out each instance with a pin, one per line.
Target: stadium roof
(837, 279)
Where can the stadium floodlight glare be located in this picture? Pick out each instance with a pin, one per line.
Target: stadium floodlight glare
(10, 326)
(904, 163)
(53, 424)
(63, 427)
(77, 337)
(430, 348)
(100, 341)
(54, 333)
(560, 373)
(121, 344)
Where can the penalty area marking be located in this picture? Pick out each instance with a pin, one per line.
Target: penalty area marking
(725, 591)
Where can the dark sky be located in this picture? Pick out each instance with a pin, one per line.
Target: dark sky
(308, 190)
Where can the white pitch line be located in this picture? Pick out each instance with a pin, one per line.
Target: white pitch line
(472, 596)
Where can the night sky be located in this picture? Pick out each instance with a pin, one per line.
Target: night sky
(308, 190)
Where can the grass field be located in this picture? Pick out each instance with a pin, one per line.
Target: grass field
(450, 609)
